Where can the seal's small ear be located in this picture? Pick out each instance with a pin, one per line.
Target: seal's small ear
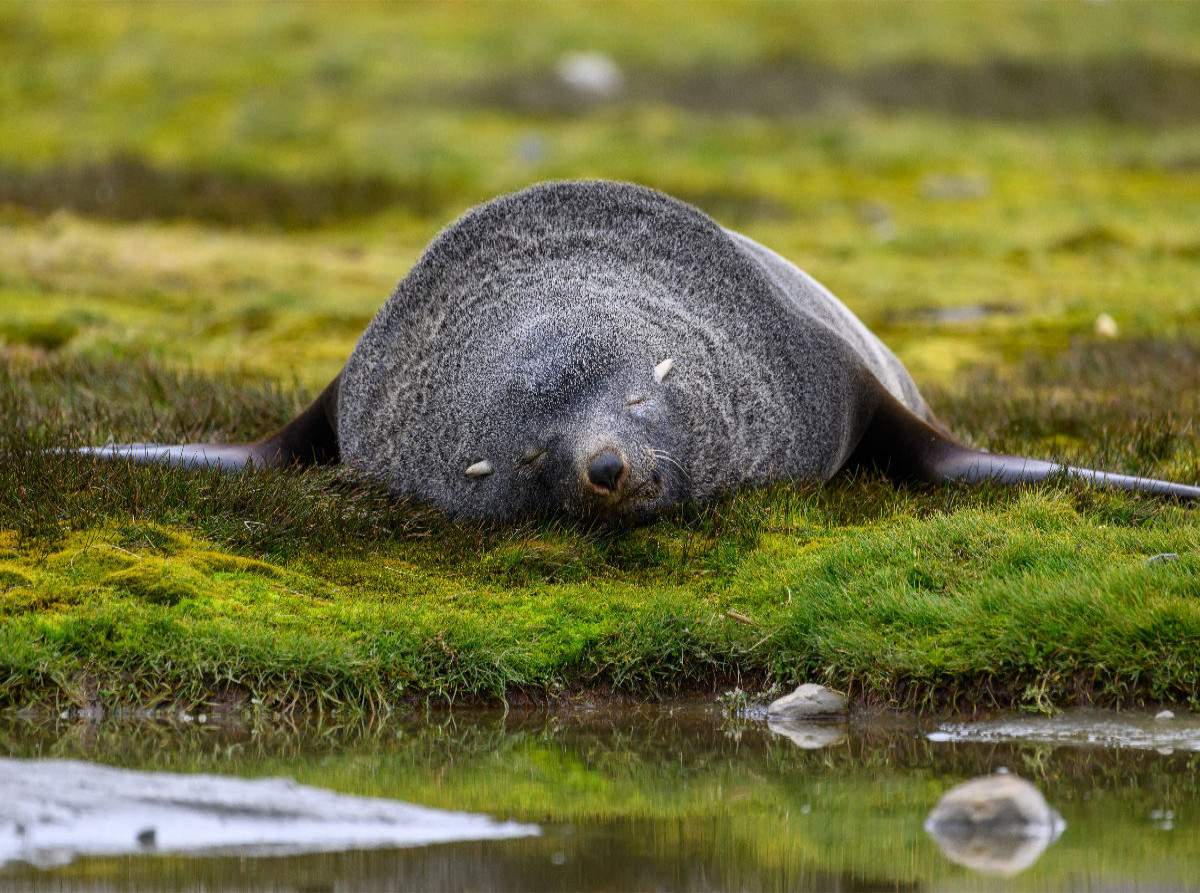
(663, 369)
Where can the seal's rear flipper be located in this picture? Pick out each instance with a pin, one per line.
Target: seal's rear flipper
(309, 439)
(907, 446)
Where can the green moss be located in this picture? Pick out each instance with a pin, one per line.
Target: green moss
(24, 592)
(154, 581)
(48, 334)
(153, 537)
(11, 577)
(234, 564)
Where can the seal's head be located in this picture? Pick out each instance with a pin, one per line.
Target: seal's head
(578, 426)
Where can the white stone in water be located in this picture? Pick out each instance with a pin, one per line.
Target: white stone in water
(54, 811)
(809, 735)
(663, 369)
(1002, 803)
(809, 701)
(998, 824)
(1164, 715)
(480, 469)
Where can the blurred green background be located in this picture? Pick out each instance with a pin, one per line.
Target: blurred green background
(241, 185)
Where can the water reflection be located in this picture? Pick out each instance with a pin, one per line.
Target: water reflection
(999, 854)
(53, 811)
(654, 798)
(995, 824)
(809, 735)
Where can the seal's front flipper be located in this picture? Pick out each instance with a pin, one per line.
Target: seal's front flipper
(906, 446)
(309, 439)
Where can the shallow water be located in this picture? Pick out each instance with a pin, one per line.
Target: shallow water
(661, 798)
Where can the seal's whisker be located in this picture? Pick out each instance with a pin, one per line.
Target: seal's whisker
(664, 456)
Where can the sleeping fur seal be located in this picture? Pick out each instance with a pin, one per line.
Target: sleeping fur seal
(605, 351)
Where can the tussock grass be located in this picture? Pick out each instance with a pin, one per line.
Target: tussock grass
(124, 584)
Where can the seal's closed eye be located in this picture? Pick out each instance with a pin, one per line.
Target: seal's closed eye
(532, 457)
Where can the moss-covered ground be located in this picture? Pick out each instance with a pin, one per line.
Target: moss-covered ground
(199, 212)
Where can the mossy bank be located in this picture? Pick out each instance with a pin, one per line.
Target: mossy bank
(128, 585)
(194, 261)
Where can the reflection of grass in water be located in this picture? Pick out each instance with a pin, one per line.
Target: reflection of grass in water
(748, 802)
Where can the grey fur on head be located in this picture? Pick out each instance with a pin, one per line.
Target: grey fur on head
(533, 335)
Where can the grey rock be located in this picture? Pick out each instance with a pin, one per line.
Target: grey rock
(940, 187)
(997, 824)
(808, 735)
(1162, 558)
(1001, 803)
(808, 702)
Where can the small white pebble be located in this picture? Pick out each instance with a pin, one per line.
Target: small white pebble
(590, 74)
(1106, 326)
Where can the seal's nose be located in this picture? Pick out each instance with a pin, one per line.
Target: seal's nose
(605, 470)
